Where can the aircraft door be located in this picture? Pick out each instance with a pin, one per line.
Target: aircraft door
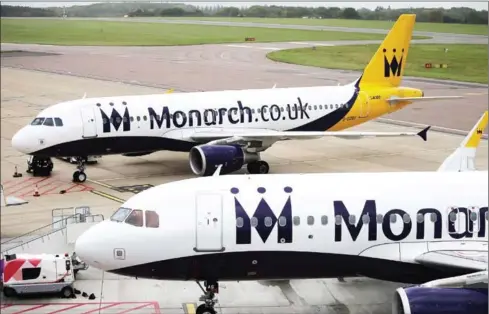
(209, 223)
(365, 104)
(88, 120)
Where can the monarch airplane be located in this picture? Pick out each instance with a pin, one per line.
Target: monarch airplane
(229, 127)
(424, 228)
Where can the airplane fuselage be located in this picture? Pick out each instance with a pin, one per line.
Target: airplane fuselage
(296, 226)
(148, 123)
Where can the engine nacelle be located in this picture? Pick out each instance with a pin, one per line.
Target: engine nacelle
(423, 300)
(204, 159)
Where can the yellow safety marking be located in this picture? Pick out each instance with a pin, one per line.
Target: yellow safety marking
(101, 184)
(189, 308)
(110, 197)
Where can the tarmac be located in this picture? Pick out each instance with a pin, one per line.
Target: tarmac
(46, 75)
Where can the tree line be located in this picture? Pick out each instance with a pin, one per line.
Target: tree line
(462, 15)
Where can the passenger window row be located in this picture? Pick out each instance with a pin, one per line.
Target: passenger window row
(296, 220)
(135, 217)
(47, 121)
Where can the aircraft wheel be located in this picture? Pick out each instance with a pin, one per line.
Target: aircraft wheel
(75, 176)
(203, 309)
(82, 177)
(263, 167)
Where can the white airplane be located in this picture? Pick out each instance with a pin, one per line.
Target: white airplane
(224, 127)
(423, 228)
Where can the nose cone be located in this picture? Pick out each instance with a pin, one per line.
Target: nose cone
(23, 142)
(94, 247)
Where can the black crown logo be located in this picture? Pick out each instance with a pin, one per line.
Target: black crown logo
(394, 65)
(264, 218)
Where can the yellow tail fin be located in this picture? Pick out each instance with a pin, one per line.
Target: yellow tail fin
(474, 137)
(387, 65)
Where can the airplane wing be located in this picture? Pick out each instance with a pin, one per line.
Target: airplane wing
(466, 259)
(271, 137)
(395, 100)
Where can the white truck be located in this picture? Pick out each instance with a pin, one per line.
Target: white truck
(40, 273)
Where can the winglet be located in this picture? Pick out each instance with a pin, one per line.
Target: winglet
(462, 159)
(424, 133)
(218, 171)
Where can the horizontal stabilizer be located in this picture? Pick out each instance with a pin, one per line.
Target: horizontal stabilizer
(395, 100)
(463, 158)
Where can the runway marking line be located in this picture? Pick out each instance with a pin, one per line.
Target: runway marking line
(65, 309)
(189, 308)
(101, 184)
(100, 306)
(30, 309)
(110, 197)
(26, 186)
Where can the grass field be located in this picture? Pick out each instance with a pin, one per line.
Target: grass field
(465, 62)
(73, 32)
(419, 26)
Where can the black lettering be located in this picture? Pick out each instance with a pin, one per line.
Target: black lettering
(209, 114)
(197, 115)
(242, 111)
(264, 109)
(116, 120)
(369, 209)
(232, 111)
(274, 109)
(420, 224)
(482, 222)
(386, 225)
(303, 108)
(165, 116)
(178, 114)
(469, 224)
(291, 110)
(222, 112)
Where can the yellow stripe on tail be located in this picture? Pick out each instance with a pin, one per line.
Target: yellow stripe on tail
(475, 135)
(387, 65)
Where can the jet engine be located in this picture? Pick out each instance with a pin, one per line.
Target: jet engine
(424, 300)
(204, 159)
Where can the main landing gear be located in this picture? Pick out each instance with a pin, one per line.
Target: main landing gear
(79, 175)
(258, 167)
(209, 298)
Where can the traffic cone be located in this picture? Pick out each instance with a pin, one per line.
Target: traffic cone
(36, 192)
(16, 174)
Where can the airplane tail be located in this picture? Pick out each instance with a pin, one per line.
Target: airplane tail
(462, 159)
(387, 65)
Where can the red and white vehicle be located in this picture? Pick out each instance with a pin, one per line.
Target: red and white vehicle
(39, 273)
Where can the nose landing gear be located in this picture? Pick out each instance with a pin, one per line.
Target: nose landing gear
(209, 298)
(79, 175)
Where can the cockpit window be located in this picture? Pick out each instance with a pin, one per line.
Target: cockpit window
(58, 122)
(152, 219)
(121, 214)
(135, 218)
(48, 122)
(37, 121)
